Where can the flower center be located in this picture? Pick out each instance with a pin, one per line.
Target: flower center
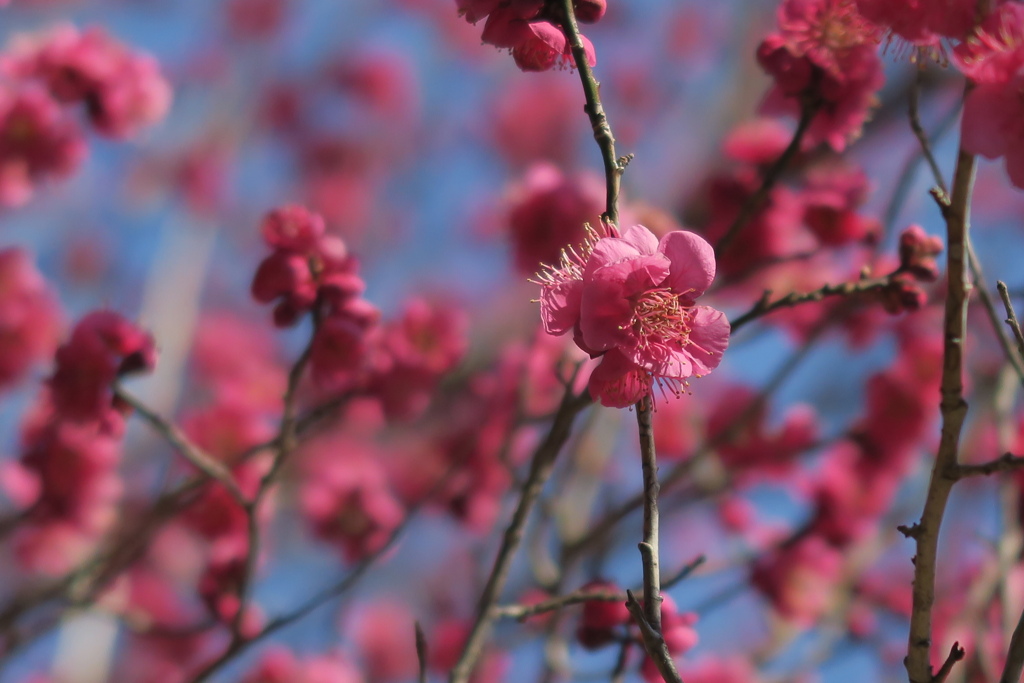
(660, 318)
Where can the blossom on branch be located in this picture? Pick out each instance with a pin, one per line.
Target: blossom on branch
(532, 29)
(824, 58)
(630, 300)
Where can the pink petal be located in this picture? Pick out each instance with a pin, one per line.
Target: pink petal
(986, 119)
(605, 312)
(618, 383)
(610, 250)
(693, 262)
(663, 360)
(709, 337)
(641, 238)
(560, 306)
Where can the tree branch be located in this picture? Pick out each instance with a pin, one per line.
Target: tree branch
(954, 410)
(541, 465)
(613, 165)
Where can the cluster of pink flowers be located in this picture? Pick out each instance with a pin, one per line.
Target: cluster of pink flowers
(532, 29)
(311, 272)
(43, 76)
(824, 58)
(631, 301)
(121, 91)
(66, 480)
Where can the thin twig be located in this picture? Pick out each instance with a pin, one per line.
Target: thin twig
(655, 645)
(287, 442)
(765, 305)
(1008, 462)
(956, 654)
(1011, 316)
(541, 465)
(975, 265)
(613, 165)
(649, 546)
(919, 132)
(618, 674)
(1014, 667)
(1013, 356)
(320, 598)
(750, 207)
(522, 612)
(184, 446)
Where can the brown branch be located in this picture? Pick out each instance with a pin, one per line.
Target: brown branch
(287, 441)
(750, 207)
(522, 612)
(184, 446)
(1008, 462)
(541, 465)
(655, 645)
(953, 408)
(649, 546)
(765, 305)
(956, 654)
(613, 165)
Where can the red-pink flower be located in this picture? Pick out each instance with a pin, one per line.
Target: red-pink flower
(37, 142)
(923, 23)
(103, 346)
(29, 316)
(547, 211)
(631, 301)
(528, 29)
(307, 266)
(993, 120)
(122, 90)
(823, 53)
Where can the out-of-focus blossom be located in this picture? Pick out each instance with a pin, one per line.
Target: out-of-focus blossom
(547, 211)
(823, 60)
(38, 141)
(103, 346)
(30, 316)
(122, 91)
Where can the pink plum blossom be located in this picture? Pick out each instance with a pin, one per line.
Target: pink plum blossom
(630, 300)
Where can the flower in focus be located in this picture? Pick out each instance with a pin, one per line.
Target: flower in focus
(630, 300)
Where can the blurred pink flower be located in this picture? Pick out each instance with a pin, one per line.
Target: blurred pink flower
(30, 316)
